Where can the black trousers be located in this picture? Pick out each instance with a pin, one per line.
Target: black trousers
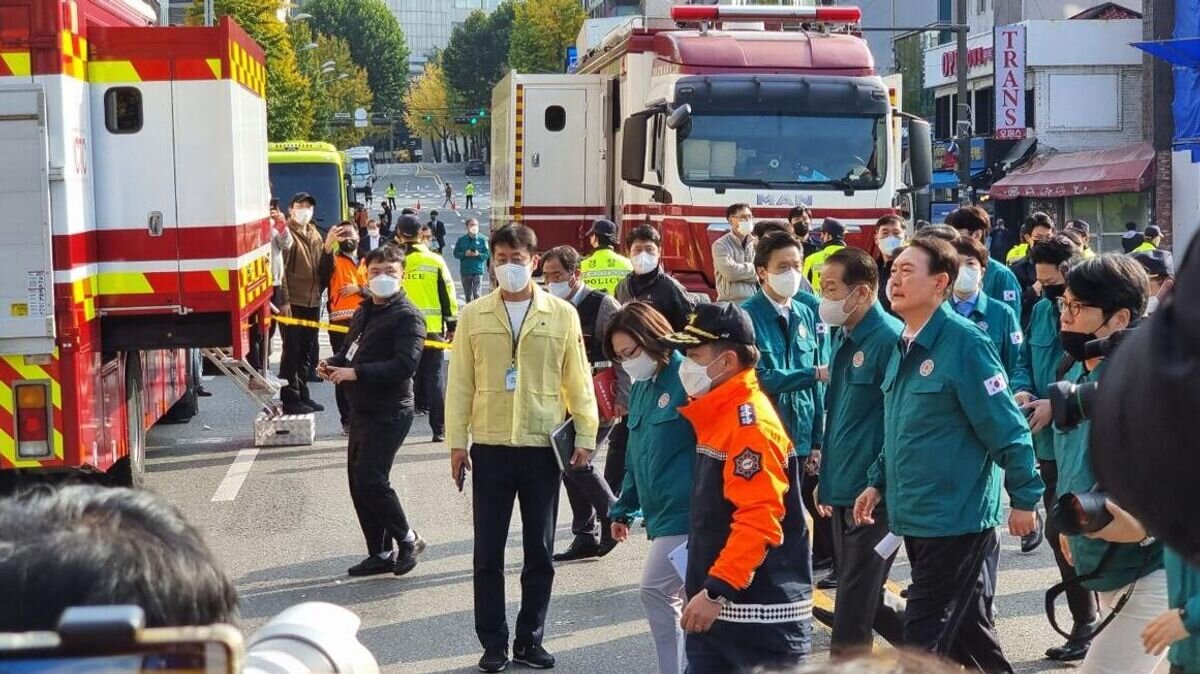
(822, 542)
(1080, 600)
(336, 341)
(431, 382)
(614, 459)
(500, 476)
(947, 604)
(373, 445)
(294, 364)
(470, 201)
(590, 498)
(861, 598)
(708, 654)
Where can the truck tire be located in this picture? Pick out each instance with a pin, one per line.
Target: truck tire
(130, 470)
(189, 405)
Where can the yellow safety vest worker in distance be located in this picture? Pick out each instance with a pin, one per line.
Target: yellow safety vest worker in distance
(604, 269)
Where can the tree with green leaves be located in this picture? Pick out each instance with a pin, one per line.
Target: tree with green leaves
(476, 57)
(376, 42)
(290, 106)
(344, 89)
(542, 31)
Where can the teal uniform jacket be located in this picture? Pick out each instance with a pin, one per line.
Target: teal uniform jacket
(659, 455)
(999, 282)
(1183, 591)
(475, 265)
(1043, 352)
(824, 348)
(952, 432)
(1131, 561)
(854, 402)
(787, 368)
(1001, 326)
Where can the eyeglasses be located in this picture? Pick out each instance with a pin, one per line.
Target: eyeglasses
(629, 354)
(744, 216)
(1073, 307)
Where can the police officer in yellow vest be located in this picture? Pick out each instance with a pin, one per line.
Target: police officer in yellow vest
(604, 269)
(428, 283)
(1153, 237)
(833, 239)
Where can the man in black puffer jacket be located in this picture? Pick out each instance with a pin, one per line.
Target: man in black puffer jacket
(377, 362)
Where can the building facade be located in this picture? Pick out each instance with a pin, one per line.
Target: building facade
(427, 25)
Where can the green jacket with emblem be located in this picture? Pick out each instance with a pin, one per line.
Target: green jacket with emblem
(1183, 591)
(1130, 561)
(952, 434)
(999, 282)
(1043, 352)
(788, 358)
(1002, 326)
(854, 403)
(659, 457)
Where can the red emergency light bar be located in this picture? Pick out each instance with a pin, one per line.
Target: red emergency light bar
(694, 13)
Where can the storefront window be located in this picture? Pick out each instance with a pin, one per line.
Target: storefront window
(1108, 213)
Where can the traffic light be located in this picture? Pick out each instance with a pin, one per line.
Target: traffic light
(474, 121)
(483, 112)
(428, 118)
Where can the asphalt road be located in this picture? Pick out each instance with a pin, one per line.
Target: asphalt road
(283, 527)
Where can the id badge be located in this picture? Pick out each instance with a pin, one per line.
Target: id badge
(352, 350)
(510, 379)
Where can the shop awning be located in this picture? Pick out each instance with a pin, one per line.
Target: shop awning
(948, 180)
(1180, 51)
(1076, 174)
(1185, 53)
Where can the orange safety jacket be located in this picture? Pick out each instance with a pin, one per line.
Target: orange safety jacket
(346, 271)
(748, 540)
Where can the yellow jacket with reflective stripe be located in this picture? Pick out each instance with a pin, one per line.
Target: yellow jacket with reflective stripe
(553, 376)
(1016, 253)
(604, 269)
(428, 283)
(1144, 248)
(814, 262)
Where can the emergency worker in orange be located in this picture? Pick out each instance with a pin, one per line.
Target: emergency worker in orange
(343, 276)
(749, 575)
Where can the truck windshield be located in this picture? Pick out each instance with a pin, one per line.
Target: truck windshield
(361, 168)
(782, 150)
(318, 179)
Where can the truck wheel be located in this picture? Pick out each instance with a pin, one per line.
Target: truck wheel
(130, 470)
(189, 405)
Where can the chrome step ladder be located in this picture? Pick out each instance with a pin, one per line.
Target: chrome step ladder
(272, 428)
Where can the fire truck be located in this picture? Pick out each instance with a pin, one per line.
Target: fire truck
(133, 198)
(669, 121)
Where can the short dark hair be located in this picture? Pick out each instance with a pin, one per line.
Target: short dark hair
(1072, 236)
(858, 268)
(944, 232)
(85, 545)
(772, 242)
(1111, 282)
(407, 211)
(943, 258)
(386, 254)
(892, 219)
(567, 256)
(1056, 250)
(514, 236)
(273, 203)
(1131, 226)
(1035, 220)
(734, 208)
(764, 227)
(643, 233)
(433, 214)
(747, 354)
(797, 211)
(965, 245)
(970, 218)
(645, 325)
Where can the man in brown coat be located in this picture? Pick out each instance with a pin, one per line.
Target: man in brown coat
(301, 297)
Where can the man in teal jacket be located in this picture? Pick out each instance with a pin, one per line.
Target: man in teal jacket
(999, 282)
(472, 252)
(1180, 626)
(952, 433)
(994, 318)
(864, 337)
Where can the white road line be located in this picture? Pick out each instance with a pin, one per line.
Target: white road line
(232, 484)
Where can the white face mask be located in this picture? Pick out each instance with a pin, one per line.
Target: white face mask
(372, 232)
(560, 289)
(384, 286)
(694, 377)
(302, 216)
(890, 245)
(785, 283)
(641, 367)
(968, 280)
(644, 263)
(513, 278)
(834, 312)
(1151, 304)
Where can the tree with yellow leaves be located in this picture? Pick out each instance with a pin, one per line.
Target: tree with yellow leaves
(542, 31)
(427, 109)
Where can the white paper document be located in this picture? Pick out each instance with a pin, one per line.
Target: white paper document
(678, 558)
(888, 545)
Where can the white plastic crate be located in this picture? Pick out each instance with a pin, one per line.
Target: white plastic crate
(284, 430)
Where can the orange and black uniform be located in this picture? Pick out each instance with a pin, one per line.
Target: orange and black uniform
(338, 270)
(748, 539)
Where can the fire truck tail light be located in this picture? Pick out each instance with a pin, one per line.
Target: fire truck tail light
(694, 13)
(33, 419)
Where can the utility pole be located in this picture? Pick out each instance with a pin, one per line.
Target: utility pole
(963, 114)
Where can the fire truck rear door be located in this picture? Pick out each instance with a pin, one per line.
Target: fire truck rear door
(26, 275)
(556, 156)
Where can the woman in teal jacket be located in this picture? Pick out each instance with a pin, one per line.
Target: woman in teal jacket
(658, 469)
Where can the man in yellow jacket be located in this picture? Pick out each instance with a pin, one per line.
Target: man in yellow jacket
(518, 368)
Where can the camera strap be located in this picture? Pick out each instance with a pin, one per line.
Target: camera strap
(1053, 593)
(1064, 365)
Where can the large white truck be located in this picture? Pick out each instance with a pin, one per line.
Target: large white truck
(668, 121)
(360, 164)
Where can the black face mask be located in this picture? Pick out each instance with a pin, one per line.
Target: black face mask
(1054, 292)
(347, 246)
(1074, 343)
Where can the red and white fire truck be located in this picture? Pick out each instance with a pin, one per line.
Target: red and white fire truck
(669, 121)
(133, 230)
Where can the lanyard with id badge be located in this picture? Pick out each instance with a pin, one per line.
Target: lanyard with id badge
(510, 374)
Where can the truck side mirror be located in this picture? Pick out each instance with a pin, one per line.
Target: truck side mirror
(679, 116)
(633, 149)
(920, 154)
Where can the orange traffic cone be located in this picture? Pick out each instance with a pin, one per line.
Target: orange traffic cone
(453, 205)
(418, 205)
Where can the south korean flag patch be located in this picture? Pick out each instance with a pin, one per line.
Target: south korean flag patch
(995, 384)
(1017, 338)
(747, 464)
(1010, 296)
(746, 415)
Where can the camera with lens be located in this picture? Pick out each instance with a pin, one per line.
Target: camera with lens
(1071, 403)
(1082, 513)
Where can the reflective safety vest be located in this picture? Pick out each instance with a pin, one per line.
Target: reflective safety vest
(813, 264)
(428, 283)
(604, 269)
(346, 271)
(1016, 253)
(391, 192)
(470, 191)
(1144, 248)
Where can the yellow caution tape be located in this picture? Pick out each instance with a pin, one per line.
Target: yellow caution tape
(334, 327)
